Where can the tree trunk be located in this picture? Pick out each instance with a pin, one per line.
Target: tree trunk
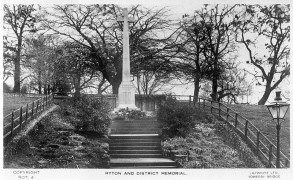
(265, 96)
(39, 87)
(100, 86)
(77, 88)
(196, 88)
(16, 88)
(214, 88)
(115, 87)
(40, 82)
(49, 88)
(138, 83)
(45, 89)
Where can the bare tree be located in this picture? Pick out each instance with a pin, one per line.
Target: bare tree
(266, 28)
(149, 82)
(8, 59)
(192, 41)
(232, 84)
(74, 62)
(206, 44)
(219, 34)
(20, 19)
(95, 28)
(39, 54)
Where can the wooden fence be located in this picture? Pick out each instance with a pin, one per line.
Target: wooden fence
(23, 95)
(23, 115)
(257, 141)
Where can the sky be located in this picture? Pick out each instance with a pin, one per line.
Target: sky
(177, 9)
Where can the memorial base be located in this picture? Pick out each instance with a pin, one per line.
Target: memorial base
(126, 96)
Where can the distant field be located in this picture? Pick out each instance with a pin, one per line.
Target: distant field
(261, 118)
(12, 103)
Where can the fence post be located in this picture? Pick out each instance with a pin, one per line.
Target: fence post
(270, 155)
(227, 118)
(12, 123)
(211, 107)
(219, 109)
(189, 101)
(20, 118)
(236, 120)
(26, 113)
(46, 100)
(287, 163)
(50, 99)
(37, 107)
(33, 108)
(43, 103)
(204, 104)
(257, 142)
(246, 128)
(198, 103)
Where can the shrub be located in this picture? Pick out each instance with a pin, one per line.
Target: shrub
(232, 139)
(208, 151)
(23, 89)
(6, 88)
(91, 114)
(130, 114)
(62, 88)
(175, 118)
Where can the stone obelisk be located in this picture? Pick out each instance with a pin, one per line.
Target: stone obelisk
(126, 92)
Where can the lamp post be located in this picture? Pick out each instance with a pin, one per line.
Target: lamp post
(278, 111)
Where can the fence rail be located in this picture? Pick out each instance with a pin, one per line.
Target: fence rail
(259, 143)
(23, 115)
(23, 95)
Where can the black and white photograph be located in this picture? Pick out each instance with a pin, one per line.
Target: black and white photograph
(145, 89)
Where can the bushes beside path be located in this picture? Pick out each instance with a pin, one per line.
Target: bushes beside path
(196, 139)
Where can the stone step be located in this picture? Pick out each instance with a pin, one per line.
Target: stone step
(135, 151)
(136, 156)
(141, 162)
(134, 129)
(135, 144)
(135, 132)
(134, 136)
(135, 122)
(137, 127)
(114, 126)
(134, 140)
(135, 147)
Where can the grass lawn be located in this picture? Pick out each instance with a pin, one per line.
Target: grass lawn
(261, 118)
(12, 103)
